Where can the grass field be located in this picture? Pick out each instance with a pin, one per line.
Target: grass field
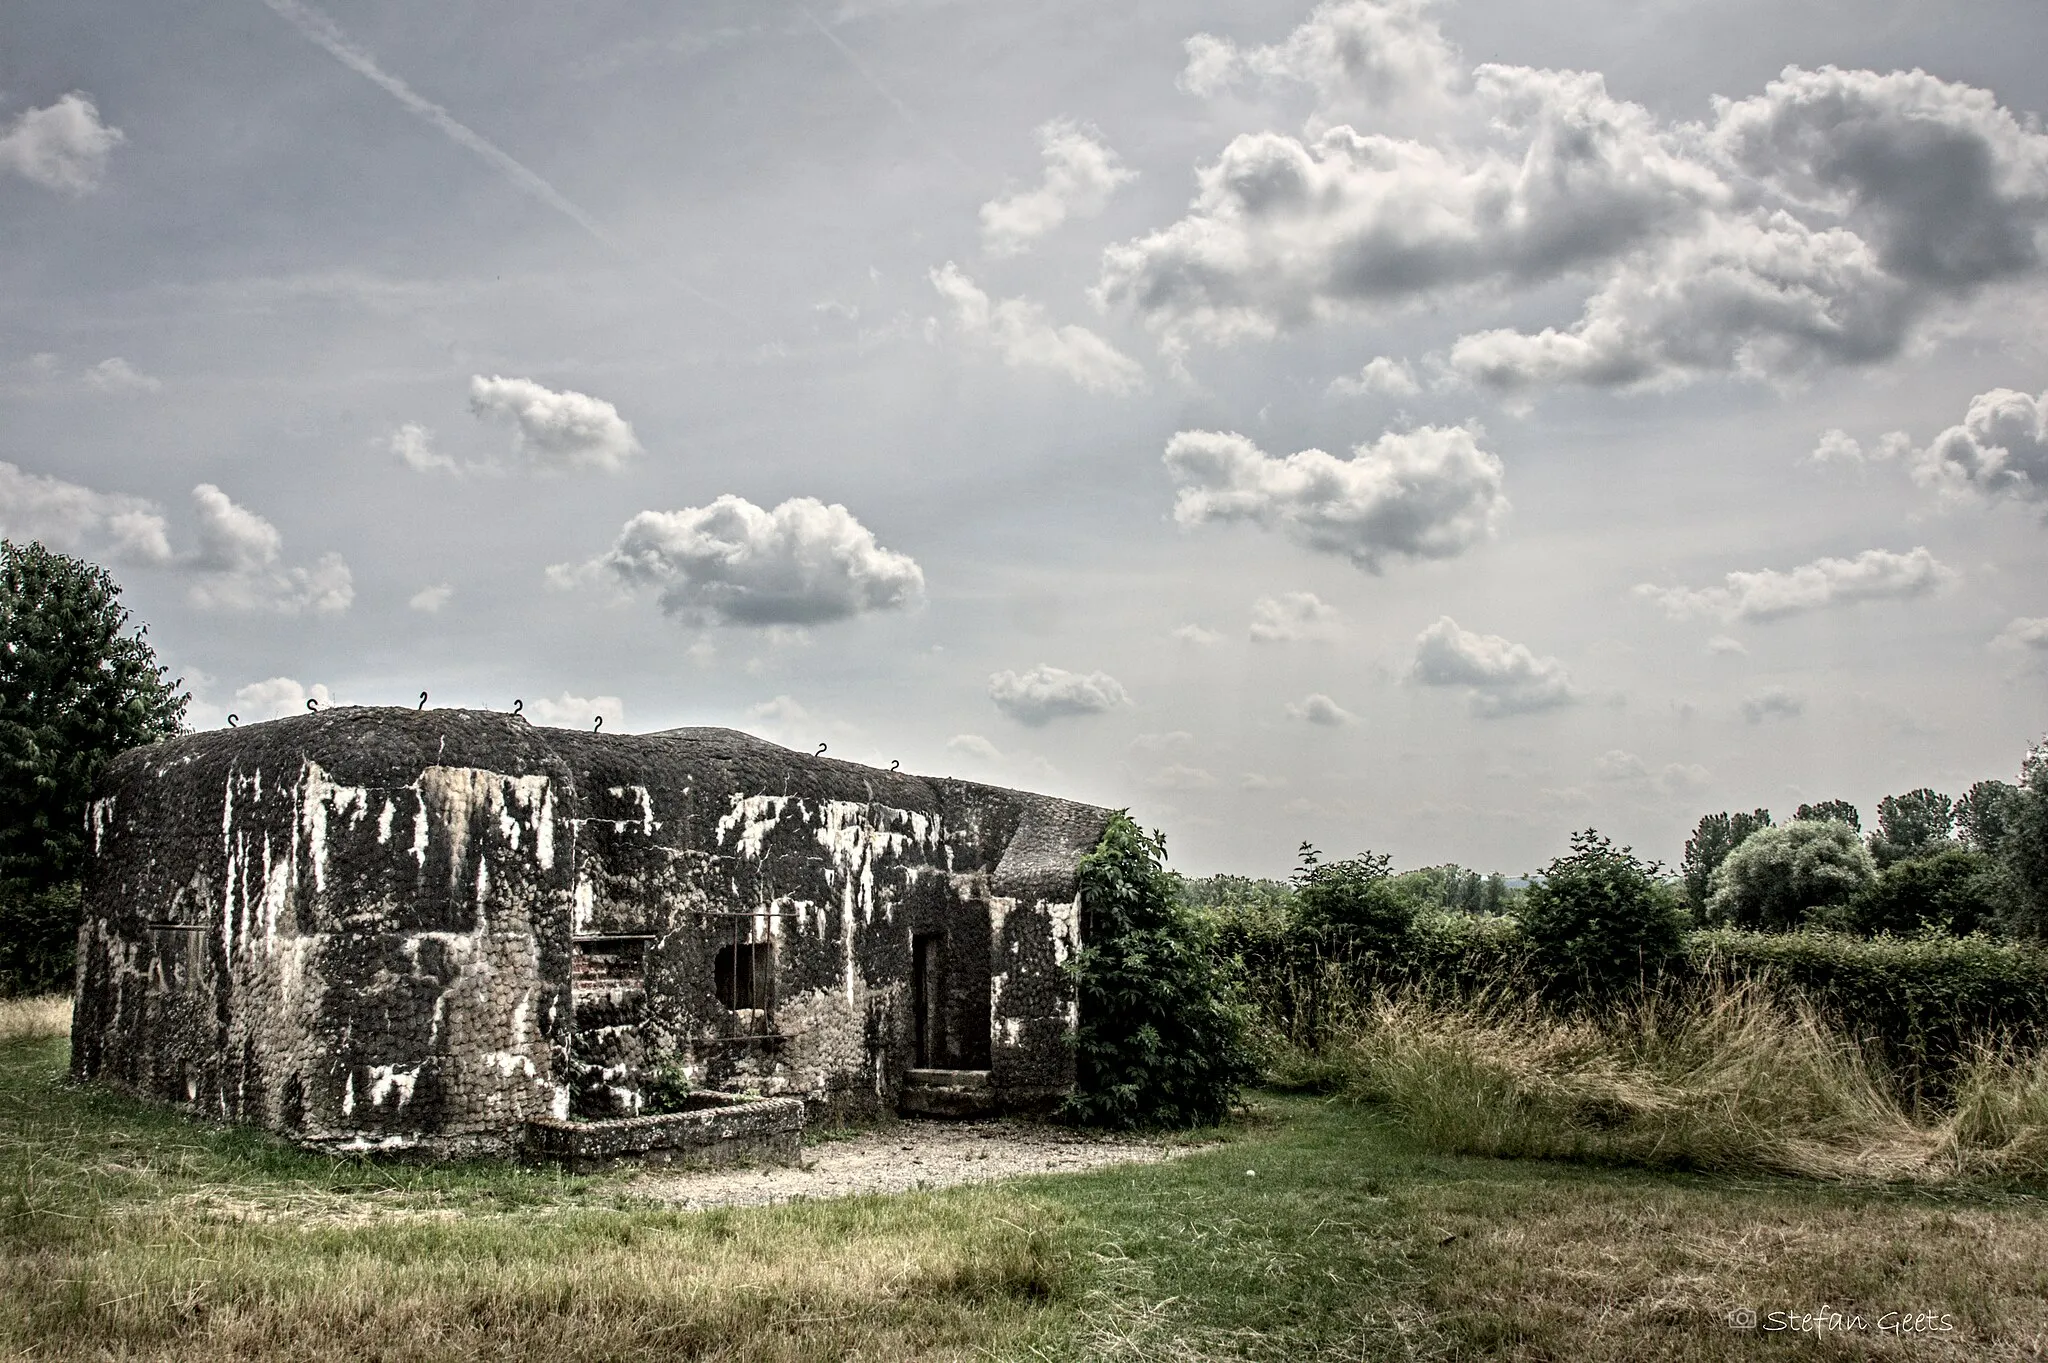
(1314, 1229)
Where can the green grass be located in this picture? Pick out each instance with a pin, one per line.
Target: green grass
(1316, 1229)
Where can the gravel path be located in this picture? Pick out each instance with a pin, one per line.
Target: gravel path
(906, 1156)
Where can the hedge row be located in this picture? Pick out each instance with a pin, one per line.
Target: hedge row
(1916, 1005)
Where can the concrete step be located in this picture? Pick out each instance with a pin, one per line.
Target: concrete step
(947, 1093)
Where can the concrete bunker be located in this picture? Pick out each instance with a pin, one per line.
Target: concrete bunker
(456, 932)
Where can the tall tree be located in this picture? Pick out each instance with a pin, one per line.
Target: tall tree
(1841, 811)
(1983, 813)
(2024, 845)
(1916, 824)
(1716, 836)
(77, 686)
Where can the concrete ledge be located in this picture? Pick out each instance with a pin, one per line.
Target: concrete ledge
(719, 1129)
(947, 1093)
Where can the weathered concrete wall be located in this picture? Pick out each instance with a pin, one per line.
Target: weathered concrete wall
(382, 928)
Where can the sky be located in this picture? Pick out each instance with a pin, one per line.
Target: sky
(1426, 428)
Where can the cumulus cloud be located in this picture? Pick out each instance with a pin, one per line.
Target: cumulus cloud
(1047, 693)
(1999, 450)
(278, 698)
(1317, 708)
(1019, 331)
(1723, 645)
(1873, 575)
(1293, 616)
(1380, 375)
(116, 375)
(1423, 494)
(732, 563)
(974, 746)
(2024, 634)
(1286, 230)
(239, 564)
(1081, 172)
(76, 519)
(413, 445)
(1773, 702)
(1177, 777)
(571, 711)
(62, 147)
(1499, 677)
(1198, 635)
(1357, 55)
(553, 430)
(1837, 447)
(1822, 222)
(1673, 778)
(430, 600)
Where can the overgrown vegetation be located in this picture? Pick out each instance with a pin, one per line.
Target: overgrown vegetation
(1316, 1230)
(1159, 1042)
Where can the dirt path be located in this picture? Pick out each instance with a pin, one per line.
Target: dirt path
(906, 1156)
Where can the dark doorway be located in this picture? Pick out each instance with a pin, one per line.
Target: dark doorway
(928, 996)
(949, 995)
(744, 975)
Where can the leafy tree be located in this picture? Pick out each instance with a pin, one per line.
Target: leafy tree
(1716, 836)
(1599, 920)
(1983, 814)
(1841, 811)
(76, 687)
(2024, 846)
(1351, 910)
(1160, 1042)
(1954, 890)
(1916, 824)
(1779, 876)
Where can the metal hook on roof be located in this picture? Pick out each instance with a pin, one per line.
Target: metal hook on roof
(820, 752)
(312, 705)
(232, 720)
(517, 706)
(423, 701)
(894, 764)
(598, 725)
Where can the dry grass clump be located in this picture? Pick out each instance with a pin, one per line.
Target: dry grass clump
(29, 1019)
(1724, 1078)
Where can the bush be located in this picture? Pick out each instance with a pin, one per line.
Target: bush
(1160, 1042)
(38, 938)
(1954, 891)
(1778, 876)
(1597, 920)
(1350, 911)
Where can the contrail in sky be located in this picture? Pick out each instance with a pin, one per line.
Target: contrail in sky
(322, 30)
(902, 110)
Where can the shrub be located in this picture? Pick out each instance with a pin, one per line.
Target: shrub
(1779, 875)
(1953, 891)
(1160, 1042)
(1350, 910)
(1597, 920)
(38, 936)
